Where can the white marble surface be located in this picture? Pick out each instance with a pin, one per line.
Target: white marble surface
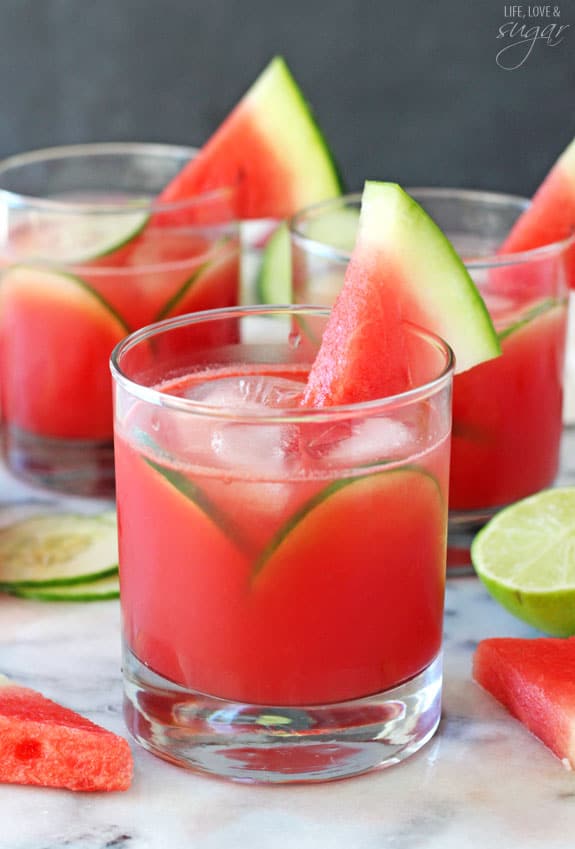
(483, 781)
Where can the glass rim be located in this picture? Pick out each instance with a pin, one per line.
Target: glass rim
(272, 415)
(478, 263)
(95, 150)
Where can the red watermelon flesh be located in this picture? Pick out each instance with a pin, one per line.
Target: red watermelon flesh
(535, 680)
(402, 269)
(551, 214)
(363, 351)
(43, 743)
(268, 148)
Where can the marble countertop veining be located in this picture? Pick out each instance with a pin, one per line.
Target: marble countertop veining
(483, 781)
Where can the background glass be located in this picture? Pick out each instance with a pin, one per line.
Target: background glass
(282, 568)
(86, 256)
(507, 413)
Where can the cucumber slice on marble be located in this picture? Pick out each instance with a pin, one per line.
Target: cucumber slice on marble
(99, 590)
(57, 549)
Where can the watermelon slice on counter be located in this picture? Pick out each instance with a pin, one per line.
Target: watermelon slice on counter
(551, 214)
(535, 680)
(269, 147)
(402, 268)
(43, 743)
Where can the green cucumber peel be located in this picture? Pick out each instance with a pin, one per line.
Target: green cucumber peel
(274, 280)
(74, 278)
(57, 550)
(539, 309)
(181, 293)
(196, 496)
(319, 498)
(167, 308)
(101, 589)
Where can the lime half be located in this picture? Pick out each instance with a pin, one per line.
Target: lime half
(525, 556)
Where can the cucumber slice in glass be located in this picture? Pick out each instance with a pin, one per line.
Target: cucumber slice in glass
(99, 590)
(76, 237)
(539, 309)
(57, 549)
(336, 228)
(274, 281)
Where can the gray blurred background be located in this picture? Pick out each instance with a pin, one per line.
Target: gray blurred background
(408, 90)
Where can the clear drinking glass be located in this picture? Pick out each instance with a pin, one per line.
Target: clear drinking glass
(507, 413)
(282, 568)
(87, 255)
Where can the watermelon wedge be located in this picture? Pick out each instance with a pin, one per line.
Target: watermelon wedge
(45, 744)
(402, 268)
(535, 681)
(551, 215)
(269, 148)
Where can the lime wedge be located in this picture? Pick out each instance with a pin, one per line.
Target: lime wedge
(525, 556)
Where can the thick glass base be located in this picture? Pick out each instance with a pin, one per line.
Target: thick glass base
(72, 466)
(271, 744)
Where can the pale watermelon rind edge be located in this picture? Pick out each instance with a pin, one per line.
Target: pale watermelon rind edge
(474, 340)
(316, 139)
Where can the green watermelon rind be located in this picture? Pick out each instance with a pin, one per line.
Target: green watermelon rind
(279, 68)
(395, 224)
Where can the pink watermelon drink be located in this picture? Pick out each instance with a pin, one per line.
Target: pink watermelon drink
(86, 257)
(282, 566)
(507, 411)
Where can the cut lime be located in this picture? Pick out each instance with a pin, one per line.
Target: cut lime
(57, 549)
(525, 556)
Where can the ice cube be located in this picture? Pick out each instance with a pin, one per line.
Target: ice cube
(368, 441)
(257, 448)
(247, 393)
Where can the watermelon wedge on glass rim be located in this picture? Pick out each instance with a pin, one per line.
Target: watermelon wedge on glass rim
(402, 268)
(507, 410)
(550, 218)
